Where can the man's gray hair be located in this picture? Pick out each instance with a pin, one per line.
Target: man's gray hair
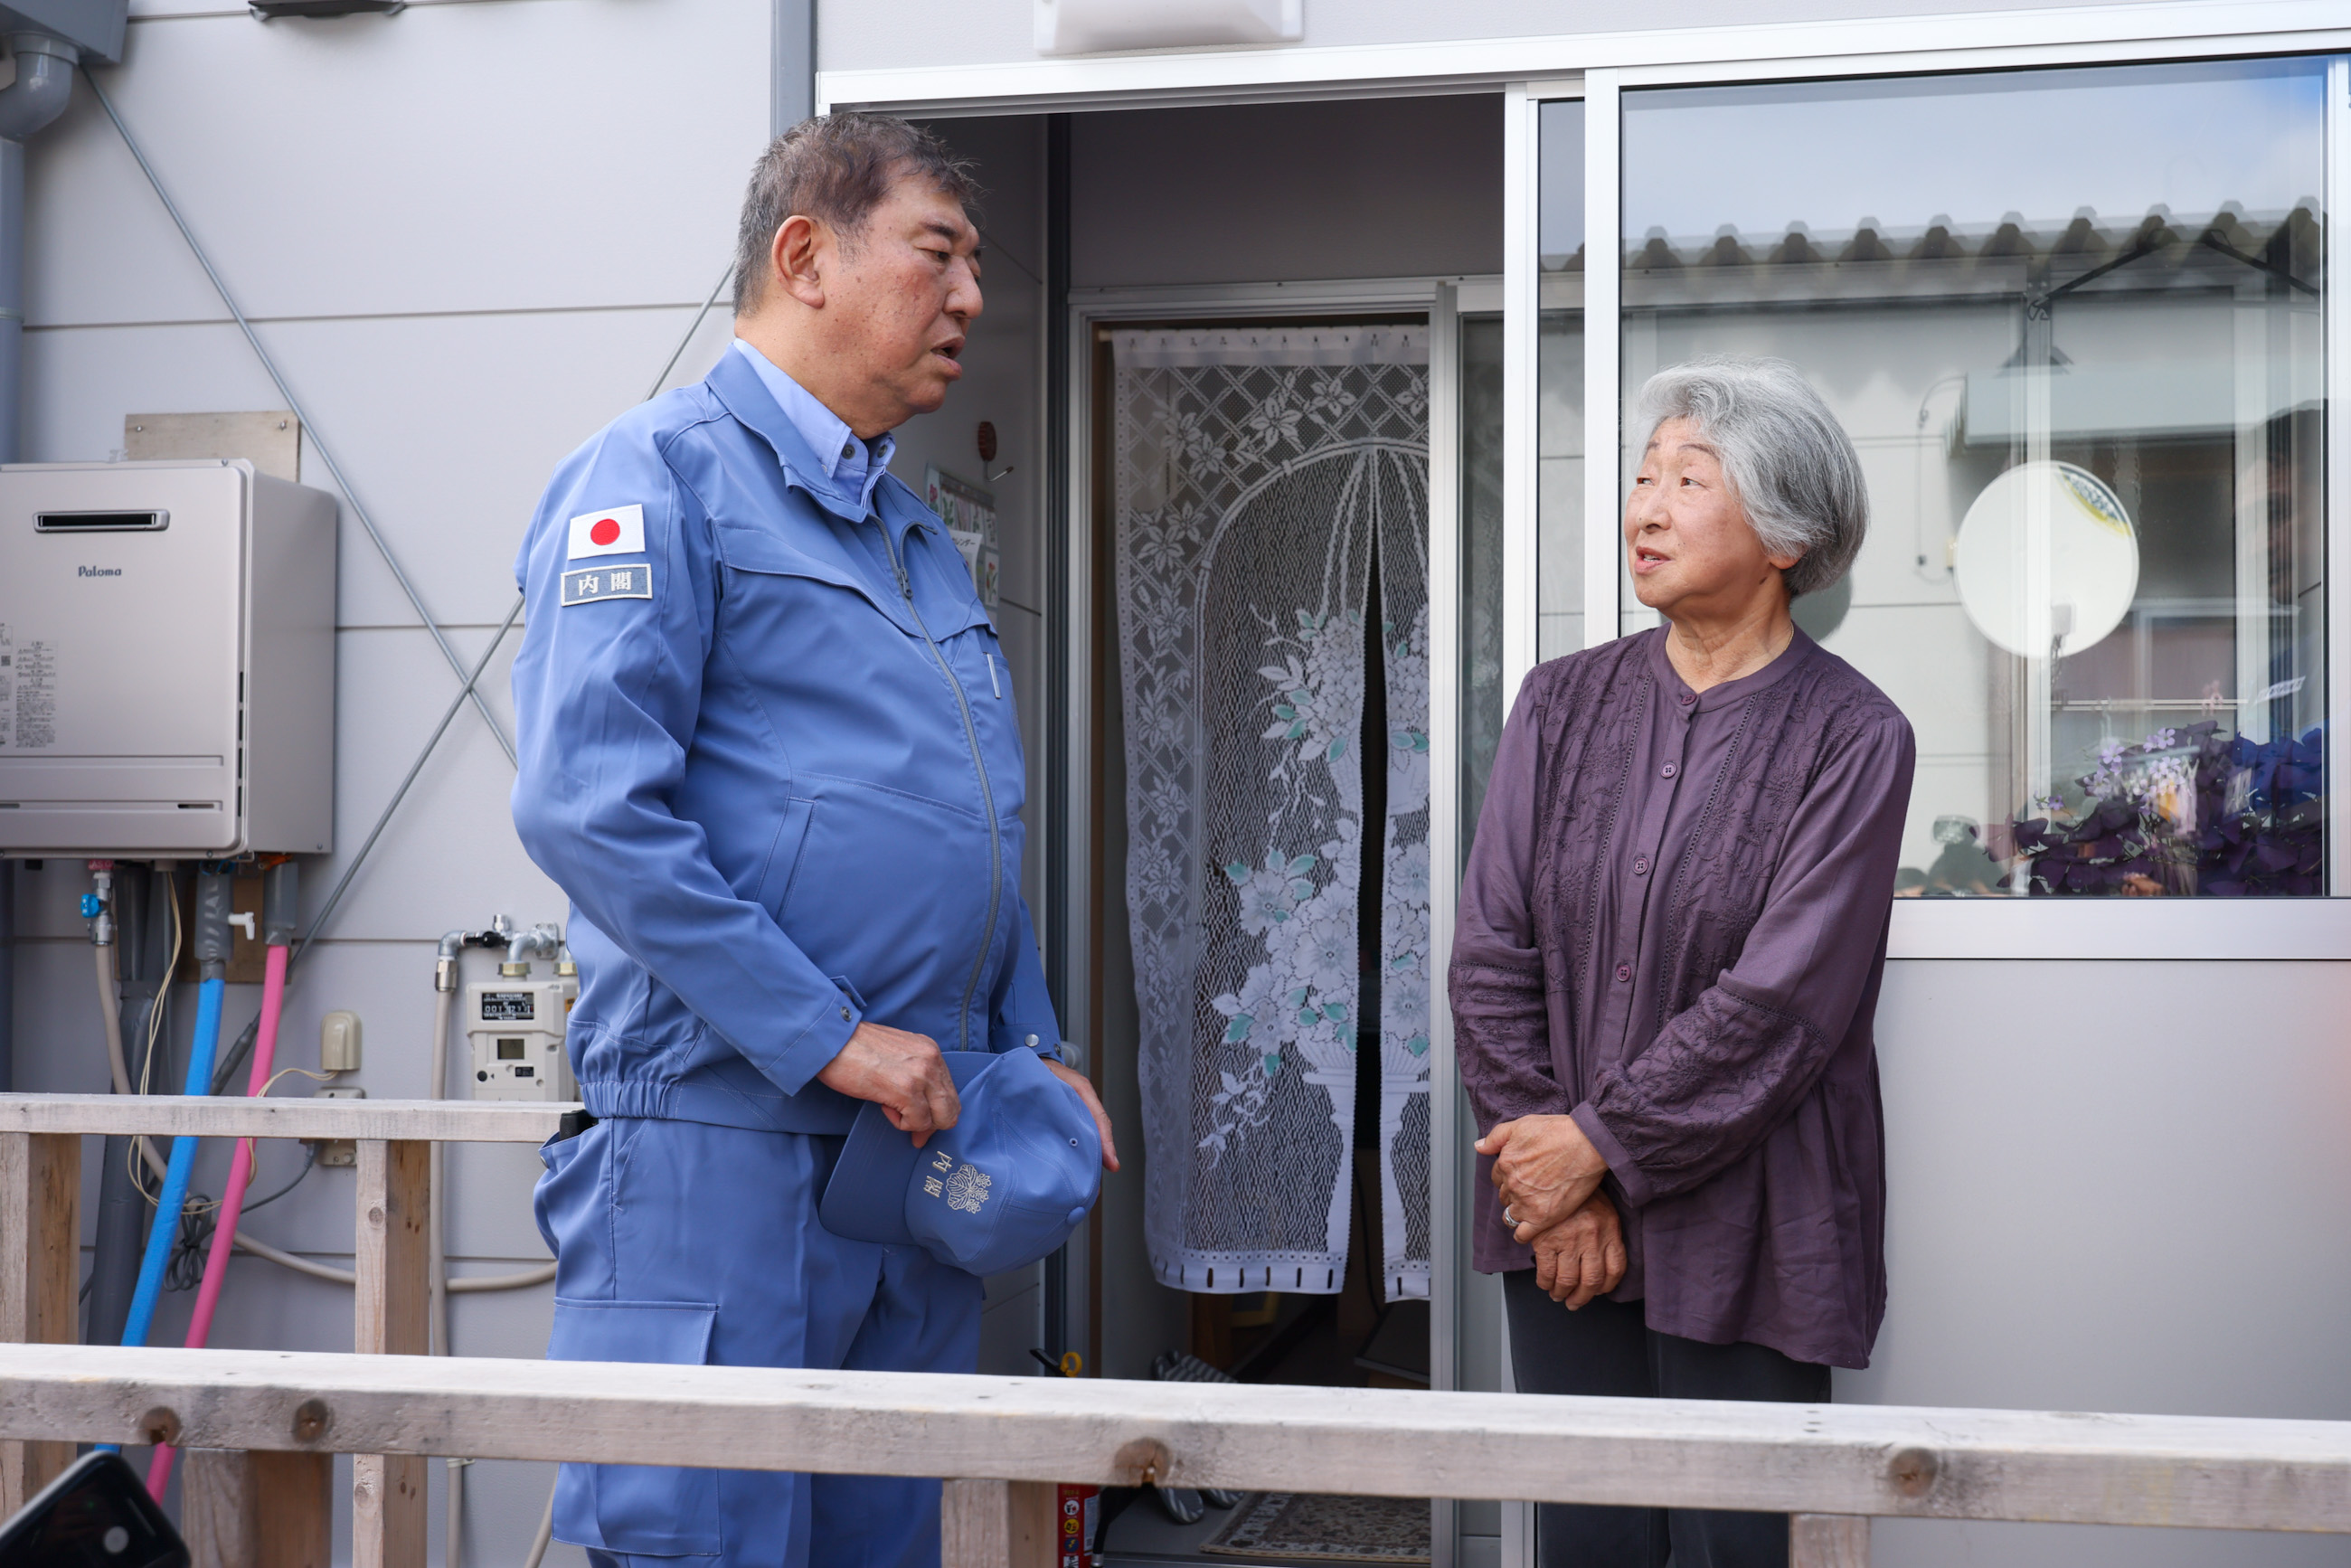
(836, 168)
(1791, 467)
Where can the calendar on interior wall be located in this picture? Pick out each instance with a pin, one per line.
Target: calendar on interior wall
(970, 513)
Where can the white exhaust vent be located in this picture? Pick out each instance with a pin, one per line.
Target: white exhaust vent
(1099, 26)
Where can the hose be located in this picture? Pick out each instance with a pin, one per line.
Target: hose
(546, 1532)
(437, 1268)
(435, 1236)
(110, 1006)
(177, 1171)
(240, 1176)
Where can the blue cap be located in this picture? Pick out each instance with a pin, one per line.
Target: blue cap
(1002, 1187)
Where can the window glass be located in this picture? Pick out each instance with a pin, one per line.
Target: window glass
(1558, 384)
(2072, 319)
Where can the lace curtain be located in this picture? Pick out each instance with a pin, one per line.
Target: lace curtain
(1259, 475)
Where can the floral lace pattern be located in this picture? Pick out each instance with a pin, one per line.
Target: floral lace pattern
(1258, 477)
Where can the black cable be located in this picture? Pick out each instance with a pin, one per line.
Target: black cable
(186, 1271)
(308, 1165)
(202, 1217)
(236, 1055)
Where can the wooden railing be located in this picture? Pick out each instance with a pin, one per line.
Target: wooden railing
(1007, 1439)
(40, 1196)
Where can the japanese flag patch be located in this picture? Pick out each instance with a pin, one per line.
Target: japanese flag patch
(617, 530)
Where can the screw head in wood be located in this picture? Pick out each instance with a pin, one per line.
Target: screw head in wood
(160, 1425)
(1913, 1471)
(1143, 1462)
(311, 1420)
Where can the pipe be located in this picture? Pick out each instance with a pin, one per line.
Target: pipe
(436, 1237)
(211, 966)
(539, 1543)
(146, 914)
(39, 94)
(97, 908)
(280, 901)
(7, 976)
(109, 1007)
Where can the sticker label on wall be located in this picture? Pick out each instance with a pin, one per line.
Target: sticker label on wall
(619, 530)
(28, 694)
(607, 582)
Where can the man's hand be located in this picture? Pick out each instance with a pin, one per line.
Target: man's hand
(899, 1071)
(1078, 1081)
(1583, 1256)
(1544, 1169)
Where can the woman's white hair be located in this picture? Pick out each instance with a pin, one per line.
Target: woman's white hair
(1791, 467)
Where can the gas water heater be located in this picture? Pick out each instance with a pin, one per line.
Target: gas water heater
(167, 661)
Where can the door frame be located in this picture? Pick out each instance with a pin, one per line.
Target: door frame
(1093, 309)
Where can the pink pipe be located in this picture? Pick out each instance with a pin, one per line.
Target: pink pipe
(240, 1176)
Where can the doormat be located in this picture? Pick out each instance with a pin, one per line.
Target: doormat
(1314, 1527)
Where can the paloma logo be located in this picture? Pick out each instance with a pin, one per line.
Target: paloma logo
(98, 571)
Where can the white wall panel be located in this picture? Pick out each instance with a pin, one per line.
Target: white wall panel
(2114, 1186)
(532, 154)
(449, 425)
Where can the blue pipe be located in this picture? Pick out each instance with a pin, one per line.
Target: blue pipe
(177, 1173)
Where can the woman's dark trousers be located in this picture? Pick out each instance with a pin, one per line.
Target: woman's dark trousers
(1607, 1348)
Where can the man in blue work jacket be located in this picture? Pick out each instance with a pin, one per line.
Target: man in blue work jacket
(769, 749)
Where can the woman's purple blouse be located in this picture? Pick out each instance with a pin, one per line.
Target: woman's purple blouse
(1672, 927)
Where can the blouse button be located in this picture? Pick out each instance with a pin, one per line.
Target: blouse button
(1687, 697)
(1641, 866)
(1670, 770)
(1623, 973)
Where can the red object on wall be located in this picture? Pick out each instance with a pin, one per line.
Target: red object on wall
(1077, 1507)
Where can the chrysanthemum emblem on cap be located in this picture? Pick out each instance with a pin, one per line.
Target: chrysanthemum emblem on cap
(967, 1188)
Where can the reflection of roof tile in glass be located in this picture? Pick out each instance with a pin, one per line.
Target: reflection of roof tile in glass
(2176, 249)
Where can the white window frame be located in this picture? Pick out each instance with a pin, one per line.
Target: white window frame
(2009, 929)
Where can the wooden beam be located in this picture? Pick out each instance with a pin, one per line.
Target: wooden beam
(158, 1115)
(1828, 1540)
(390, 1318)
(997, 1524)
(40, 1256)
(259, 1510)
(2214, 1473)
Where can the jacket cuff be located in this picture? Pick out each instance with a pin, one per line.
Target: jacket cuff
(818, 1042)
(1636, 1187)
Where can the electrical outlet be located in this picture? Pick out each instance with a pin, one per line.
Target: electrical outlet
(337, 1151)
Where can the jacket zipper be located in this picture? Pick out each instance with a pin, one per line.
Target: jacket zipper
(987, 797)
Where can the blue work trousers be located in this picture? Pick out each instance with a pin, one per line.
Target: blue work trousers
(685, 1243)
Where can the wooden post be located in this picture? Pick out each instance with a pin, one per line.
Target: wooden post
(997, 1524)
(258, 1510)
(41, 1253)
(390, 1319)
(1828, 1540)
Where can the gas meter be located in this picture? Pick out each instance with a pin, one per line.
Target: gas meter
(516, 1029)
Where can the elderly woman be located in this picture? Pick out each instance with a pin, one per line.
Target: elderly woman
(1672, 928)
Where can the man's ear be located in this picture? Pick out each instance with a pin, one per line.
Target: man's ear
(796, 259)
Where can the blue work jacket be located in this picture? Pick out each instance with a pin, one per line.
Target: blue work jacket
(769, 749)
